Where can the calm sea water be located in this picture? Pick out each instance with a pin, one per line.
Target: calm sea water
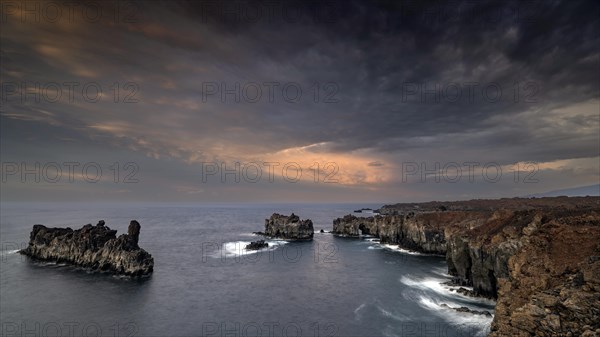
(205, 284)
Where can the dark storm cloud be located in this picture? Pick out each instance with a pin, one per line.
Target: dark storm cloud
(381, 53)
(406, 81)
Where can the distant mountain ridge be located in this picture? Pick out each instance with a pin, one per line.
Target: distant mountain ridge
(582, 191)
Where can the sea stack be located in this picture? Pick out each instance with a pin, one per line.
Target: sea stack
(93, 247)
(288, 227)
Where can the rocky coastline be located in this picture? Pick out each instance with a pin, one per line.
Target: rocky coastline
(288, 227)
(95, 248)
(539, 258)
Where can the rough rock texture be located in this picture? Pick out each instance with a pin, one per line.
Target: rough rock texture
(288, 227)
(351, 225)
(539, 257)
(553, 286)
(94, 247)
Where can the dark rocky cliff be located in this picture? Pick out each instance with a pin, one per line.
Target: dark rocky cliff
(422, 232)
(501, 251)
(93, 247)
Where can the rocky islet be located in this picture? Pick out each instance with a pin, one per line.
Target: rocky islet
(96, 248)
(288, 227)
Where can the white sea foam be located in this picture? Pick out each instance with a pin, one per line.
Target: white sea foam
(433, 303)
(358, 312)
(428, 303)
(436, 285)
(430, 293)
(238, 248)
(387, 313)
(8, 252)
(360, 307)
(425, 284)
(401, 250)
(376, 242)
(478, 325)
(441, 271)
(367, 307)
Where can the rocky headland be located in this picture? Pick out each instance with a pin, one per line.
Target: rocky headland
(288, 227)
(539, 258)
(95, 248)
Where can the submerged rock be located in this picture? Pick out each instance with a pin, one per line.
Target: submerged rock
(94, 247)
(288, 227)
(256, 245)
(467, 310)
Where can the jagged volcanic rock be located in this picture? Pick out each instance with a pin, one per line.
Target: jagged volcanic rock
(94, 247)
(288, 227)
(553, 282)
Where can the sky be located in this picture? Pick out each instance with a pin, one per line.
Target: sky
(289, 101)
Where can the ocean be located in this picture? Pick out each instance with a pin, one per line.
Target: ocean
(205, 284)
